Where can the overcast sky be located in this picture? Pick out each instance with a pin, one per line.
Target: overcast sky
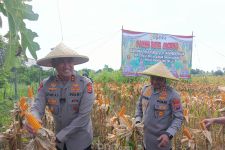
(93, 27)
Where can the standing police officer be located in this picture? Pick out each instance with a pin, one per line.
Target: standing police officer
(160, 108)
(69, 97)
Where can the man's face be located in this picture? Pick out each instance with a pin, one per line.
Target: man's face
(64, 67)
(158, 82)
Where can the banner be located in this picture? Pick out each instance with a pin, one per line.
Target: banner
(140, 50)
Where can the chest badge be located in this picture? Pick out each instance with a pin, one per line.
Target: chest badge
(52, 86)
(52, 101)
(75, 87)
(163, 95)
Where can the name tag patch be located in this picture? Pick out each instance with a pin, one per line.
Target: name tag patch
(52, 86)
(52, 101)
(74, 94)
(52, 94)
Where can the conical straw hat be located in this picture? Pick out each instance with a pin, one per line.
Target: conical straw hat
(159, 70)
(62, 51)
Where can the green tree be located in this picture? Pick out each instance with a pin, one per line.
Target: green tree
(2, 50)
(106, 68)
(218, 73)
(19, 36)
(197, 71)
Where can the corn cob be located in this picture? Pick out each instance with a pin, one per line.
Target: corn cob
(223, 96)
(22, 104)
(187, 133)
(121, 114)
(186, 112)
(33, 122)
(30, 92)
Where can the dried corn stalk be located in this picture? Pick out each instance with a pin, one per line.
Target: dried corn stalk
(124, 118)
(44, 140)
(124, 129)
(205, 132)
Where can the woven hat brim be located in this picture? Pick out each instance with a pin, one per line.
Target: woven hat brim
(159, 75)
(159, 70)
(47, 62)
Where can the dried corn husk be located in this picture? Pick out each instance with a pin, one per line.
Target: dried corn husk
(140, 128)
(123, 127)
(202, 125)
(187, 133)
(44, 140)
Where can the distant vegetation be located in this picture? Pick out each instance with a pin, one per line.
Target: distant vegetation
(202, 72)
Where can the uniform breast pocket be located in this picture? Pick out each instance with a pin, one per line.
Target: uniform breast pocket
(53, 106)
(74, 105)
(160, 110)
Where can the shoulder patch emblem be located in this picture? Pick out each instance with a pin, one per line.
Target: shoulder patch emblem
(176, 104)
(89, 87)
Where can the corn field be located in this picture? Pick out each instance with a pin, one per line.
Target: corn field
(113, 118)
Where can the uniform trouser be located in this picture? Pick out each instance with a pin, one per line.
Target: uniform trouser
(64, 147)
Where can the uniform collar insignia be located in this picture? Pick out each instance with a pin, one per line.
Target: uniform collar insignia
(73, 78)
(58, 78)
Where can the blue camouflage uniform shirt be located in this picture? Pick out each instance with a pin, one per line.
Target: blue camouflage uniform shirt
(71, 106)
(161, 112)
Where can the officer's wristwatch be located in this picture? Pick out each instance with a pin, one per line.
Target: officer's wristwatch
(169, 135)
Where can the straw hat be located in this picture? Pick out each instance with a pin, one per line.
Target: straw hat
(62, 51)
(159, 70)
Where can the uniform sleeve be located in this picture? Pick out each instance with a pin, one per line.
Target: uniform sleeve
(38, 107)
(83, 118)
(177, 112)
(139, 111)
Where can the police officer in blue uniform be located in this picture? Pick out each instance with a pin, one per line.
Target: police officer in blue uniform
(159, 108)
(69, 97)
